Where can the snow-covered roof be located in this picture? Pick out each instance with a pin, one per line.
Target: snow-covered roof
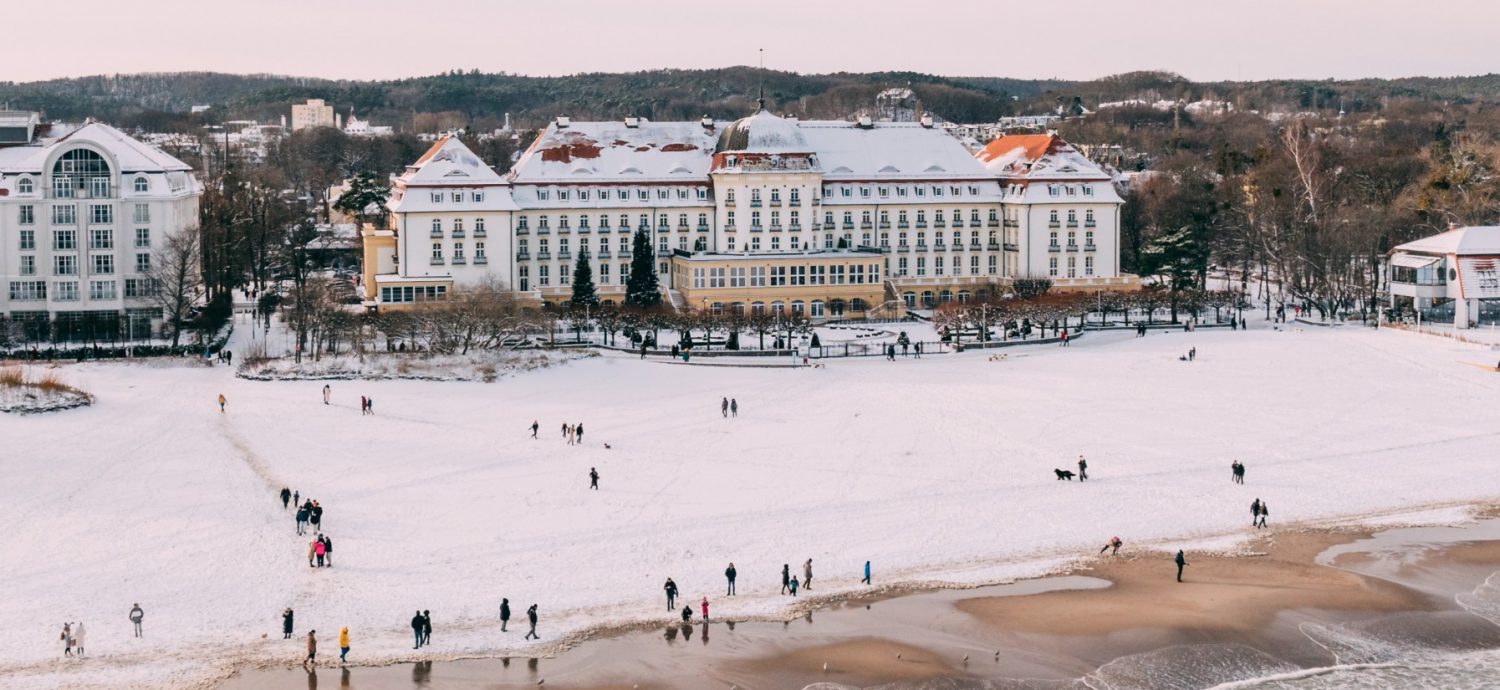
(762, 132)
(130, 155)
(1462, 241)
(888, 150)
(449, 163)
(1038, 157)
(643, 151)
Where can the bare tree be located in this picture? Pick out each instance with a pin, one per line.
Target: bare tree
(177, 278)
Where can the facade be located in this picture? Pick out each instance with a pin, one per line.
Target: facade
(82, 211)
(1453, 276)
(313, 113)
(918, 216)
(1061, 212)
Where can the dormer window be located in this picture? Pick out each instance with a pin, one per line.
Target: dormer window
(458, 197)
(437, 197)
(642, 194)
(1088, 191)
(142, 185)
(937, 191)
(583, 195)
(25, 186)
(478, 197)
(884, 192)
(541, 195)
(562, 195)
(921, 191)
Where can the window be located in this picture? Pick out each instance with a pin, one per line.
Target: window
(437, 252)
(27, 215)
(104, 264)
(1052, 266)
(64, 239)
(458, 227)
(28, 239)
(624, 273)
(28, 265)
(437, 197)
(101, 289)
(458, 197)
(757, 276)
(101, 214)
(1088, 239)
(81, 169)
(477, 197)
(993, 265)
(543, 279)
(437, 227)
(525, 273)
(458, 252)
(66, 214)
(66, 291)
(25, 186)
(778, 276)
(479, 256)
(142, 237)
(1088, 264)
(141, 213)
(142, 263)
(101, 238)
(937, 266)
(141, 287)
(1072, 267)
(26, 290)
(479, 227)
(142, 185)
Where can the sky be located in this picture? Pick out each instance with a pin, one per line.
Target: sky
(1079, 39)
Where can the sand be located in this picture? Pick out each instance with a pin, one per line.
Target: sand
(1218, 593)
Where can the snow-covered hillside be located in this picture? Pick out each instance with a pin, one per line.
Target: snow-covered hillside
(937, 470)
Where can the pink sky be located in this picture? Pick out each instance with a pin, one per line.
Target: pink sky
(1076, 39)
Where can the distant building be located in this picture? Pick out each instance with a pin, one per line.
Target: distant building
(1451, 277)
(201, 109)
(313, 113)
(356, 127)
(82, 210)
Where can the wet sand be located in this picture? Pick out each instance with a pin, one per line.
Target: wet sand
(1218, 593)
(1050, 631)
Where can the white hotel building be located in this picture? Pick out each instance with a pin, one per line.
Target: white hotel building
(763, 212)
(82, 209)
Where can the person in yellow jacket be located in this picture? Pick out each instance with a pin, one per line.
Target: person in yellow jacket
(343, 643)
(222, 400)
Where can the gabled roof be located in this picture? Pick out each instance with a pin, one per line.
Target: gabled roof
(1463, 241)
(1038, 157)
(449, 162)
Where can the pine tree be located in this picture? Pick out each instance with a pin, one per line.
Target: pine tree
(584, 294)
(642, 289)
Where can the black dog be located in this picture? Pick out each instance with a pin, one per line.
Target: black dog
(1064, 474)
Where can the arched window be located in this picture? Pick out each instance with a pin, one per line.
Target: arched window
(927, 298)
(778, 307)
(909, 299)
(79, 172)
(836, 307)
(757, 308)
(945, 296)
(963, 296)
(717, 307)
(798, 306)
(25, 186)
(817, 307)
(142, 185)
(857, 304)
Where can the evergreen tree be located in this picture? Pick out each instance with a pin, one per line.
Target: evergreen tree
(642, 289)
(365, 190)
(584, 294)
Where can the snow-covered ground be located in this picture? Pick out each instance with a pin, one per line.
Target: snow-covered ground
(937, 470)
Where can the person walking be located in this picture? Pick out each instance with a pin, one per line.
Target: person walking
(343, 644)
(671, 589)
(807, 575)
(67, 639)
(1192, 354)
(918, 348)
(301, 521)
(1181, 563)
(136, 614)
(594, 478)
(1083, 469)
(416, 629)
(426, 627)
(705, 611)
(534, 427)
(286, 497)
(312, 648)
(327, 393)
(312, 552)
(1264, 511)
(327, 551)
(296, 497)
(531, 618)
(504, 613)
(565, 431)
(729, 574)
(724, 407)
(363, 404)
(578, 433)
(867, 573)
(222, 400)
(315, 516)
(286, 623)
(320, 550)
(78, 635)
(786, 577)
(1254, 512)
(794, 585)
(734, 407)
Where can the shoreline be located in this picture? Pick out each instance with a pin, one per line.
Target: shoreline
(1270, 577)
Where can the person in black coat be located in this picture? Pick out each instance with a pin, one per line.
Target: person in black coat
(671, 589)
(1181, 561)
(301, 521)
(426, 627)
(286, 624)
(593, 478)
(504, 613)
(786, 577)
(729, 574)
(416, 629)
(286, 497)
(531, 617)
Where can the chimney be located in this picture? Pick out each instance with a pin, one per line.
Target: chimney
(563, 121)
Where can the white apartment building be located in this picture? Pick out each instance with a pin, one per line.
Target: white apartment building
(313, 113)
(82, 211)
(944, 223)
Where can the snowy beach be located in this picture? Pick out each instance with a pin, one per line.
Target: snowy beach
(939, 471)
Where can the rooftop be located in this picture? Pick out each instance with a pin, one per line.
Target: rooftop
(1461, 241)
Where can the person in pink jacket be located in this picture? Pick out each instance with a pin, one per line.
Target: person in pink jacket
(705, 609)
(319, 549)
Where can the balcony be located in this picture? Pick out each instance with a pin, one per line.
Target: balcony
(436, 261)
(1072, 222)
(958, 247)
(921, 224)
(921, 246)
(460, 261)
(582, 230)
(885, 225)
(958, 222)
(481, 260)
(1053, 224)
(1089, 247)
(729, 203)
(993, 222)
(1012, 247)
(865, 225)
(1012, 223)
(1088, 224)
(903, 247)
(756, 228)
(479, 233)
(544, 255)
(1072, 247)
(436, 234)
(776, 227)
(521, 231)
(564, 255)
(458, 234)
(663, 251)
(755, 203)
(849, 225)
(729, 227)
(902, 225)
(1054, 247)
(602, 253)
(543, 231)
(775, 201)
